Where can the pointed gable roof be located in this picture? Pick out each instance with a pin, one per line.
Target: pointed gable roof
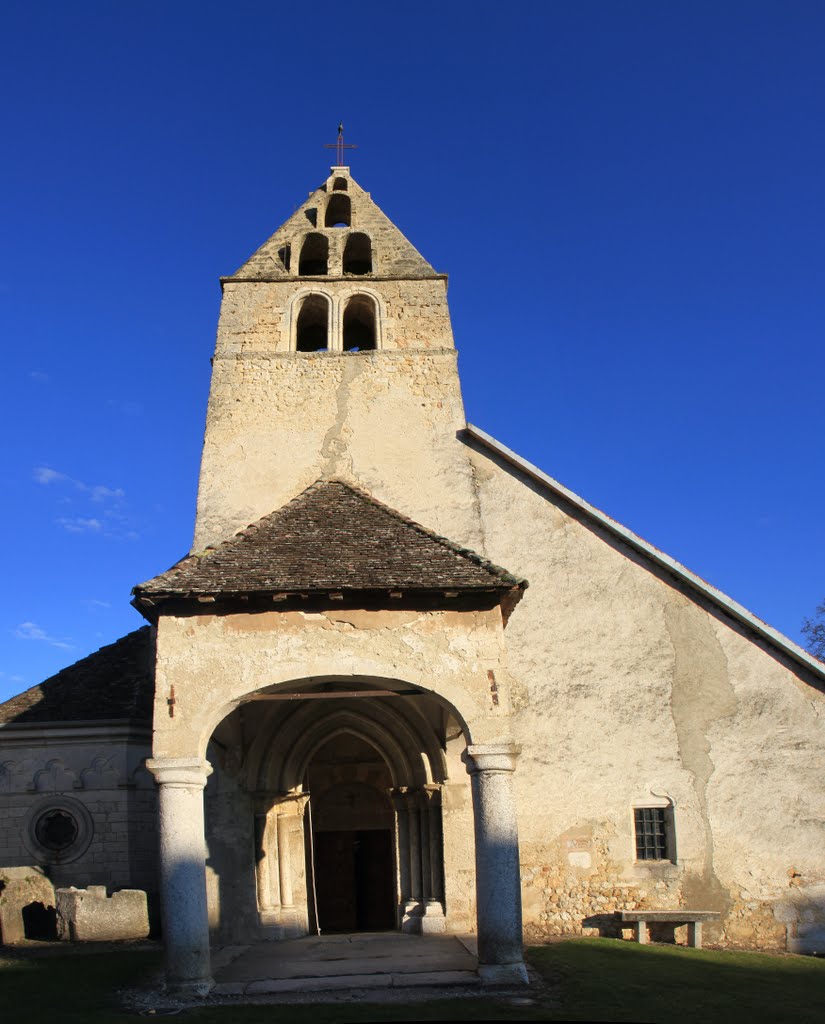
(330, 538)
(396, 255)
(116, 682)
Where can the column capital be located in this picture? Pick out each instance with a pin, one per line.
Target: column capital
(182, 772)
(491, 757)
(432, 794)
(291, 804)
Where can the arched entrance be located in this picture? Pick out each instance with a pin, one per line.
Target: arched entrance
(347, 738)
(324, 811)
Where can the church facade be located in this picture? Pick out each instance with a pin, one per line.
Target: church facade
(404, 679)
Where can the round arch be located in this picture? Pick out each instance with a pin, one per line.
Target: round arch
(452, 698)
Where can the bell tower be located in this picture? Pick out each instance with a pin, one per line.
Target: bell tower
(335, 359)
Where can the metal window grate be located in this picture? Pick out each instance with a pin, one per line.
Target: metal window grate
(651, 838)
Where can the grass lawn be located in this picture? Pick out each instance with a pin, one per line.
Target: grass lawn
(585, 979)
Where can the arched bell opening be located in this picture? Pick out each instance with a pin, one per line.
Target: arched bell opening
(339, 211)
(312, 329)
(358, 254)
(314, 259)
(360, 327)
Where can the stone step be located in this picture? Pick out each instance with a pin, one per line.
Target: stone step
(416, 979)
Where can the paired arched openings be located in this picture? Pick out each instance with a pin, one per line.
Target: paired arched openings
(350, 321)
(354, 249)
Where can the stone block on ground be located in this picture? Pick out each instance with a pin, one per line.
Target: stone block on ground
(22, 888)
(89, 915)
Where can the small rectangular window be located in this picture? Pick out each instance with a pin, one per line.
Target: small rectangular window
(651, 833)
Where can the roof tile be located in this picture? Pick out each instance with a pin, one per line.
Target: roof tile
(116, 682)
(331, 537)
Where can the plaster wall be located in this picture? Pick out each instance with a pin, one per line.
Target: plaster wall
(627, 689)
(215, 661)
(385, 421)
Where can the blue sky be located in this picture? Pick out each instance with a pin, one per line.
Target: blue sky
(628, 198)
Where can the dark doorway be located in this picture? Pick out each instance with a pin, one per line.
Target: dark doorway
(354, 880)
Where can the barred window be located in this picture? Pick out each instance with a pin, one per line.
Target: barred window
(651, 833)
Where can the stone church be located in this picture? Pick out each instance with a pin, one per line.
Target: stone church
(406, 680)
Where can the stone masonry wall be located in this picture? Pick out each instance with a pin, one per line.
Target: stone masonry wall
(105, 791)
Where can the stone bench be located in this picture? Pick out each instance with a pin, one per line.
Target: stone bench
(694, 919)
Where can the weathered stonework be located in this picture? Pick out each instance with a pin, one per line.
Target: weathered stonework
(307, 737)
(89, 915)
(20, 887)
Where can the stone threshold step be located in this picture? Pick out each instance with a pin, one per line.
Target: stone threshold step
(269, 986)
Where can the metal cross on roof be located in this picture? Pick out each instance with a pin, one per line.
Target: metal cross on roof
(339, 146)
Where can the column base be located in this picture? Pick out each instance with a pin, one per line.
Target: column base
(503, 974)
(423, 917)
(433, 921)
(189, 989)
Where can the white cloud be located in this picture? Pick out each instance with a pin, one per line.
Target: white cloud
(79, 524)
(97, 492)
(93, 601)
(101, 493)
(31, 631)
(45, 475)
(106, 513)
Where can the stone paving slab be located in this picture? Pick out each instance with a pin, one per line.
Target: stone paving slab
(389, 958)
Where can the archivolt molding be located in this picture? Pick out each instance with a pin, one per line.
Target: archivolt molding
(453, 698)
(279, 756)
(288, 772)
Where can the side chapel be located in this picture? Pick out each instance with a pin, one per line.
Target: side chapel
(350, 711)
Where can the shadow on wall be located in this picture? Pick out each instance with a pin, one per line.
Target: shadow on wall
(230, 864)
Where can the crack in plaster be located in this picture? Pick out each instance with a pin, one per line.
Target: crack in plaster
(336, 457)
(701, 696)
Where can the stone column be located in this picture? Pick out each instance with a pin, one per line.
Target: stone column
(402, 833)
(285, 859)
(263, 878)
(266, 859)
(498, 877)
(433, 800)
(415, 846)
(180, 782)
(432, 919)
